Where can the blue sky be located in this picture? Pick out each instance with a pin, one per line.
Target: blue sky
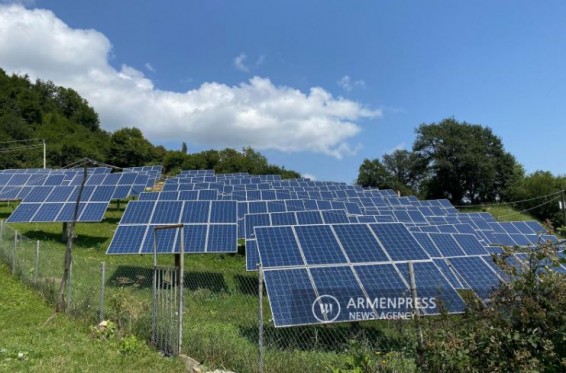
(316, 86)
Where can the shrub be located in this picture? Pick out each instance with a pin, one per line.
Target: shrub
(522, 329)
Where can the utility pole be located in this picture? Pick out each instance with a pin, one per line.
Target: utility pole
(44, 155)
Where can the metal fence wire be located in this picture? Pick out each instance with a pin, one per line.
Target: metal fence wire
(221, 322)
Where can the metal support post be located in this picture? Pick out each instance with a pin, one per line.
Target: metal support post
(260, 319)
(417, 316)
(102, 284)
(14, 252)
(181, 288)
(36, 268)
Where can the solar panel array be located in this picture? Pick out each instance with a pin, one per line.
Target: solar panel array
(50, 195)
(318, 239)
(210, 226)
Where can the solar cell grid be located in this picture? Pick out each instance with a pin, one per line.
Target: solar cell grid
(280, 248)
(359, 243)
(47, 212)
(478, 275)
(398, 242)
(469, 244)
(319, 245)
(196, 212)
(446, 244)
(167, 212)
(291, 296)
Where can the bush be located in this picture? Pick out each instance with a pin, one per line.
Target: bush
(522, 329)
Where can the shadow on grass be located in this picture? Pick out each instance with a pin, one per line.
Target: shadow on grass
(142, 277)
(248, 284)
(330, 338)
(82, 240)
(111, 220)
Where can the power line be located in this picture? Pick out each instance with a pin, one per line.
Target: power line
(531, 208)
(509, 203)
(12, 141)
(25, 147)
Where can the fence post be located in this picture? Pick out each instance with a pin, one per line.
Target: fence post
(416, 315)
(102, 284)
(2, 232)
(36, 268)
(260, 319)
(14, 252)
(69, 285)
(181, 290)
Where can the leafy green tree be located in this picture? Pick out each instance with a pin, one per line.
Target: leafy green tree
(129, 147)
(463, 160)
(407, 168)
(76, 108)
(373, 174)
(532, 191)
(184, 148)
(174, 161)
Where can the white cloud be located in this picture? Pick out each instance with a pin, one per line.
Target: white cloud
(255, 113)
(149, 67)
(309, 176)
(240, 62)
(347, 84)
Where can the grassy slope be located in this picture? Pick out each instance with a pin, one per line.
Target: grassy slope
(500, 213)
(61, 344)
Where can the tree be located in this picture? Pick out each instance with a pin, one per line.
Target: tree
(463, 160)
(128, 147)
(373, 174)
(532, 191)
(184, 148)
(407, 167)
(174, 161)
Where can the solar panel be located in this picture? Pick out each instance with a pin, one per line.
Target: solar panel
(398, 242)
(433, 285)
(210, 226)
(446, 244)
(359, 243)
(319, 245)
(252, 255)
(280, 247)
(478, 275)
(291, 297)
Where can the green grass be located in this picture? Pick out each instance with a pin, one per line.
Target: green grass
(500, 213)
(34, 339)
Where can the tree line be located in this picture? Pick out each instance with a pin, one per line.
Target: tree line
(71, 128)
(467, 164)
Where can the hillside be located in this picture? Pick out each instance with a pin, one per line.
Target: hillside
(35, 340)
(30, 112)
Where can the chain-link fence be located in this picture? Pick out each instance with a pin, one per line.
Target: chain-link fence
(221, 323)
